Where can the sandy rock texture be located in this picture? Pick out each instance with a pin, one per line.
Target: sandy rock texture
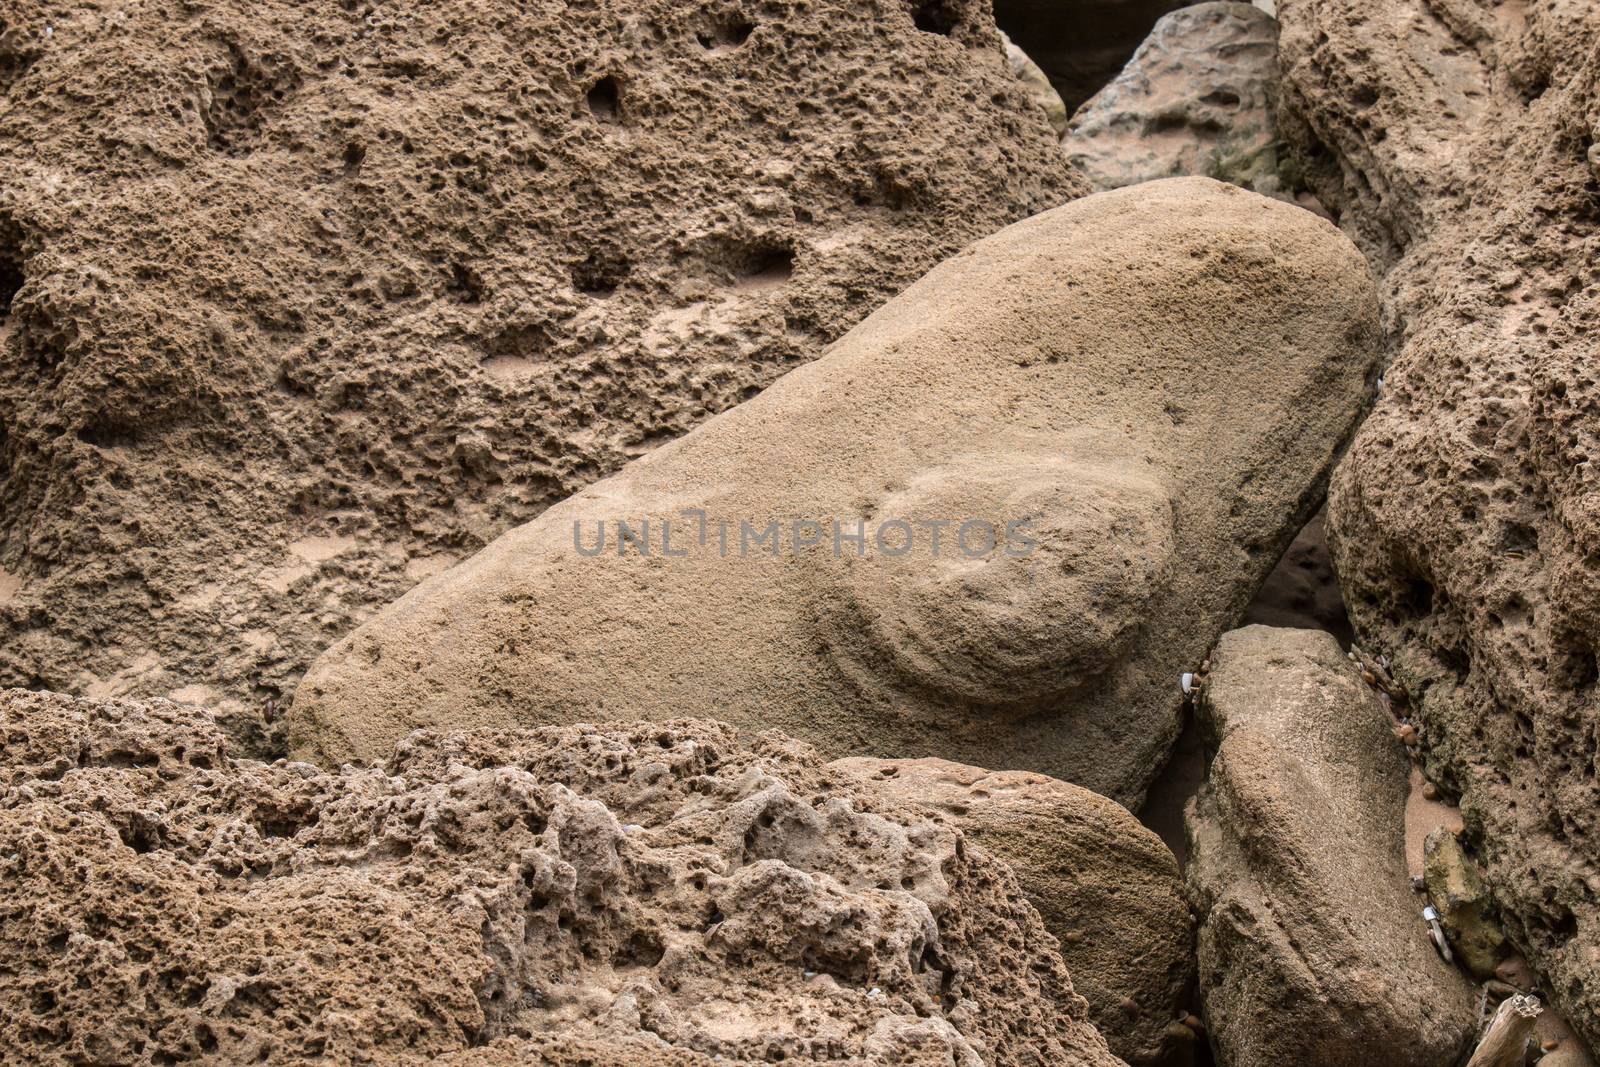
(1106, 887)
(1080, 44)
(1311, 948)
(1198, 97)
(659, 893)
(1458, 144)
(1154, 380)
(304, 302)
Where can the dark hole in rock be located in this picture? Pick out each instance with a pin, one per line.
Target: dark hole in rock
(1302, 591)
(600, 274)
(766, 267)
(605, 99)
(728, 33)
(10, 271)
(936, 16)
(1221, 98)
(354, 153)
(1418, 598)
(1180, 780)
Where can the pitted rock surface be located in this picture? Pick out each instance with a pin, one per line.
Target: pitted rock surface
(1459, 143)
(646, 894)
(1155, 380)
(301, 303)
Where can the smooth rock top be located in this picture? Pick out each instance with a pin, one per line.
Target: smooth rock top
(1151, 382)
(1106, 887)
(1312, 950)
(1197, 98)
(639, 894)
(301, 303)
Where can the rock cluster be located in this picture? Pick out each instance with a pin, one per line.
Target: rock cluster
(1146, 387)
(1460, 145)
(300, 303)
(638, 894)
(1311, 950)
(1106, 887)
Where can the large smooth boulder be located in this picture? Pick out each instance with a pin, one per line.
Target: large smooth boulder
(634, 894)
(1312, 950)
(1121, 410)
(1457, 144)
(1106, 887)
(1080, 44)
(301, 302)
(1198, 97)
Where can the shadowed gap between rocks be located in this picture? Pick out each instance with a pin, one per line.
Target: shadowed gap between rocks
(1302, 592)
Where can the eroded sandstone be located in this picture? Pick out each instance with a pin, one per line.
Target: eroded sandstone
(638, 894)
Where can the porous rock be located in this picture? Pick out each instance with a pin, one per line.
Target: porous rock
(1079, 44)
(1106, 887)
(1311, 947)
(1198, 97)
(1154, 380)
(301, 303)
(1457, 143)
(639, 894)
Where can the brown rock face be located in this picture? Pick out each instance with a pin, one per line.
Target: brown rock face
(300, 303)
(1458, 143)
(639, 895)
(1153, 380)
(1106, 887)
(1311, 948)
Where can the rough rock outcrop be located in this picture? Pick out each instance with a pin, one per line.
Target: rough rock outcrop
(641, 894)
(1080, 44)
(1458, 143)
(1107, 888)
(300, 303)
(1197, 98)
(1311, 950)
(1120, 411)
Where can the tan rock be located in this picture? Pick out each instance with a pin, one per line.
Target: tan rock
(639, 894)
(1455, 143)
(1198, 97)
(1311, 948)
(1149, 384)
(1106, 887)
(301, 302)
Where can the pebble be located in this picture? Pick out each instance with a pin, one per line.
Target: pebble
(1430, 791)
